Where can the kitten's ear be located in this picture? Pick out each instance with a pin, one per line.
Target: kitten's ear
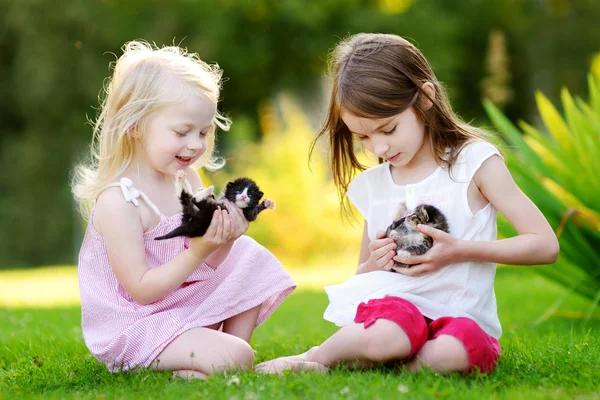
(400, 211)
(422, 213)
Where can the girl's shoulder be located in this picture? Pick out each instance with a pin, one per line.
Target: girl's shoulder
(471, 157)
(111, 205)
(477, 149)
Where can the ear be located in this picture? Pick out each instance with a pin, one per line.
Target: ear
(427, 93)
(400, 211)
(135, 132)
(422, 213)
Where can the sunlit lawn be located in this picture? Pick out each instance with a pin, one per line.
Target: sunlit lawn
(42, 353)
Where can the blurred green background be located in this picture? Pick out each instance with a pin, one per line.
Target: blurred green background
(54, 58)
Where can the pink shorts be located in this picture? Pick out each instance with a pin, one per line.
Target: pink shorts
(483, 350)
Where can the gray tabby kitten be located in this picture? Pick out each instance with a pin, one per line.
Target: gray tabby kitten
(409, 240)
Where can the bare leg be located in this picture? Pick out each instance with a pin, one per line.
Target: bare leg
(204, 351)
(353, 345)
(242, 325)
(442, 354)
(189, 374)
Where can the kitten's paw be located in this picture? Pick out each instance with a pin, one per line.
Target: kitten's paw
(270, 204)
(203, 193)
(394, 235)
(179, 174)
(403, 253)
(179, 181)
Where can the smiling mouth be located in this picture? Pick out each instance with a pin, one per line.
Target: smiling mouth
(184, 159)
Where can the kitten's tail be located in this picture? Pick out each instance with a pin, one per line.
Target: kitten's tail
(179, 231)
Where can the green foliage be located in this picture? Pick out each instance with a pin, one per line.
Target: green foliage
(43, 356)
(559, 172)
(306, 223)
(55, 57)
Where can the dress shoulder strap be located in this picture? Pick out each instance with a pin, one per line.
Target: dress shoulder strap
(131, 194)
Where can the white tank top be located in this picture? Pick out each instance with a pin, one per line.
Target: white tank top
(464, 289)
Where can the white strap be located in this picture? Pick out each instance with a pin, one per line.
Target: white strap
(131, 194)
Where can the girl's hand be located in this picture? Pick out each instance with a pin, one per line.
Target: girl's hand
(445, 251)
(240, 223)
(381, 253)
(219, 232)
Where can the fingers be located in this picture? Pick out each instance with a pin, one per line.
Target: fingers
(227, 226)
(412, 260)
(389, 266)
(380, 235)
(239, 221)
(220, 227)
(379, 243)
(217, 220)
(417, 270)
(384, 254)
(433, 233)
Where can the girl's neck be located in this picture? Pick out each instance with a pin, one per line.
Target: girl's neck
(144, 175)
(421, 166)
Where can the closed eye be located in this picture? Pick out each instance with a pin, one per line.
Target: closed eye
(390, 131)
(181, 134)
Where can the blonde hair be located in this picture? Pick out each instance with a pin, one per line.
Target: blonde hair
(378, 76)
(132, 96)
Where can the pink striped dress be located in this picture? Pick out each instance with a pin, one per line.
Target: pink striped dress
(124, 334)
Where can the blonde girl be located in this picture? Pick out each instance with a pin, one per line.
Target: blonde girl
(183, 305)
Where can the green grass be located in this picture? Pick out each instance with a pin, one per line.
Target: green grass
(42, 355)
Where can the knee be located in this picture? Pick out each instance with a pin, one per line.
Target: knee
(242, 354)
(384, 343)
(237, 354)
(443, 354)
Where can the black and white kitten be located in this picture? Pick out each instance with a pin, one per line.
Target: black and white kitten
(199, 208)
(409, 240)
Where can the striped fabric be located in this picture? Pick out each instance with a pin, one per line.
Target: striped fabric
(124, 334)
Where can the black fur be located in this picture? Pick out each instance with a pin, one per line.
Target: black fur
(198, 214)
(406, 235)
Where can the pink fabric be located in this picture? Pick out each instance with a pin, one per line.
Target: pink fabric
(400, 311)
(124, 334)
(483, 350)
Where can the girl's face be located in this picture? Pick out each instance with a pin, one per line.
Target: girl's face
(176, 137)
(397, 139)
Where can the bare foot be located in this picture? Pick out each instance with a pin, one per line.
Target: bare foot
(295, 363)
(292, 363)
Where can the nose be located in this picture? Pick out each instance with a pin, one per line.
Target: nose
(380, 146)
(195, 143)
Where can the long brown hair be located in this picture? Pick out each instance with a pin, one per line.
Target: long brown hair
(381, 75)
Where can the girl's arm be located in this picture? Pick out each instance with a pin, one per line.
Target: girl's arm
(534, 244)
(120, 224)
